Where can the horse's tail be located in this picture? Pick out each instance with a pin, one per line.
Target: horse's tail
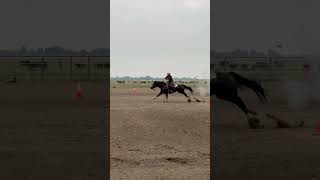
(187, 87)
(253, 85)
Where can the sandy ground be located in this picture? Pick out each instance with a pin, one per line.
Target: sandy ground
(46, 134)
(157, 140)
(265, 154)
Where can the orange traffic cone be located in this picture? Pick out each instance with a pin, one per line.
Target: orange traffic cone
(318, 127)
(79, 92)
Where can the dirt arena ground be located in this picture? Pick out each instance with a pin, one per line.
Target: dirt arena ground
(157, 140)
(46, 134)
(265, 154)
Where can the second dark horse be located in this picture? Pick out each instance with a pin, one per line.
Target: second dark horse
(225, 86)
(164, 90)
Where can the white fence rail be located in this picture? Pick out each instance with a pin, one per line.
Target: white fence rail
(55, 67)
(263, 68)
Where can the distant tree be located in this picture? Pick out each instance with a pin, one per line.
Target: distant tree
(23, 50)
(148, 78)
(83, 52)
(40, 51)
(54, 50)
(100, 52)
(273, 53)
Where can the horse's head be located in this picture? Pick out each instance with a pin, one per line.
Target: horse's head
(159, 84)
(154, 85)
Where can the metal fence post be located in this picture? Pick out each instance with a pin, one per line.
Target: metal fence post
(270, 64)
(42, 67)
(88, 67)
(70, 73)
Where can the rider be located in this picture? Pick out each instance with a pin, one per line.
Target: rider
(169, 81)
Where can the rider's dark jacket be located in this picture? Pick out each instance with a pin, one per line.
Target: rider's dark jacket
(169, 78)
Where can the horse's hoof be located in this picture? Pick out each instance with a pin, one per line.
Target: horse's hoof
(254, 123)
(253, 112)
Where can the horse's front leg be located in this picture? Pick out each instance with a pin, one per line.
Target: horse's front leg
(157, 95)
(166, 97)
(184, 93)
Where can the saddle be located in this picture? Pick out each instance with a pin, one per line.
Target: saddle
(171, 87)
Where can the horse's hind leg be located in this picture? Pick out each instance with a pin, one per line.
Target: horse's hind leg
(166, 97)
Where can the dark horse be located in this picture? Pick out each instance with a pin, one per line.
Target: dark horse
(225, 86)
(165, 90)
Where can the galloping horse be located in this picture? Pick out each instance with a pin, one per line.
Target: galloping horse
(225, 86)
(165, 90)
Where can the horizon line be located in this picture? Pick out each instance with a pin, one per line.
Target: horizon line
(153, 77)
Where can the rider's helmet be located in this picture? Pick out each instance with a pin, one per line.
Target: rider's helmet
(168, 74)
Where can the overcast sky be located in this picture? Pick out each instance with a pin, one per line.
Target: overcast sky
(258, 24)
(74, 24)
(153, 37)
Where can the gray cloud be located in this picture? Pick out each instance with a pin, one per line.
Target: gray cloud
(151, 37)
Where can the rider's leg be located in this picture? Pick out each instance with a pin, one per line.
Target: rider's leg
(170, 86)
